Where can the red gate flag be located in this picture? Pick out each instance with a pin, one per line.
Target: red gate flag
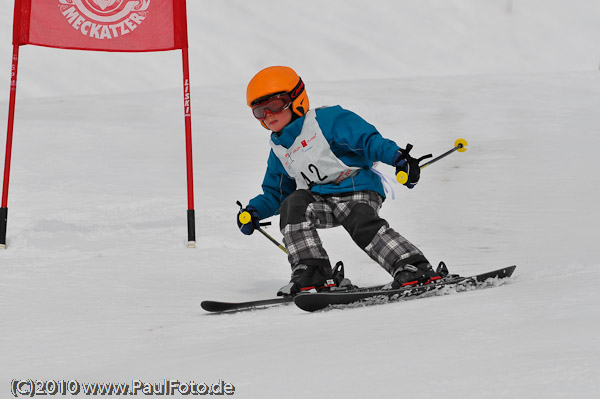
(101, 25)
(105, 25)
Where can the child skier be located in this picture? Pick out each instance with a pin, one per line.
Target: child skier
(319, 176)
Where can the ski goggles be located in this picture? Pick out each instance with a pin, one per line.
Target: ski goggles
(271, 105)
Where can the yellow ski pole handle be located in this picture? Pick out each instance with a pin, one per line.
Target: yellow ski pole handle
(245, 217)
(402, 177)
(460, 145)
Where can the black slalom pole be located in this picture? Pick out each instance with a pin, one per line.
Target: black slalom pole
(3, 222)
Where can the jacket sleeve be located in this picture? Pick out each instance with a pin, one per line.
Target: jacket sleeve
(276, 186)
(355, 134)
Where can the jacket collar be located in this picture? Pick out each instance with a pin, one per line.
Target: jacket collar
(289, 133)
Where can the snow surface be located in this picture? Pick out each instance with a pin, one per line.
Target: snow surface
(98, 285)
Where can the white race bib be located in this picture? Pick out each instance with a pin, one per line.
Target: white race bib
(310, 160)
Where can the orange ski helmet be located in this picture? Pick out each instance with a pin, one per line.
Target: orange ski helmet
(278, 80)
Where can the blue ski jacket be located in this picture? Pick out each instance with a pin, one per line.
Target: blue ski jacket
(354, 141)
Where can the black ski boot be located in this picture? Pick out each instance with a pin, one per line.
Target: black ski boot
(306, 278)
(420, 273)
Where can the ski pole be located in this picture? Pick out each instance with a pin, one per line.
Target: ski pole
(246, 218)
(460, 145)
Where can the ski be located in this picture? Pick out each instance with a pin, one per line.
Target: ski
(311, 302)
(220, 307)
(231, 307)
(320, 300)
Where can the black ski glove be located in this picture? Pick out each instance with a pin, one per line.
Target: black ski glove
(404, 162)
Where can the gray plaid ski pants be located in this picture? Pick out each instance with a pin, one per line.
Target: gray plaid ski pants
(303, 212)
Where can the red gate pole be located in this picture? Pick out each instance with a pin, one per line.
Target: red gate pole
(191, 220)
(9, 139)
